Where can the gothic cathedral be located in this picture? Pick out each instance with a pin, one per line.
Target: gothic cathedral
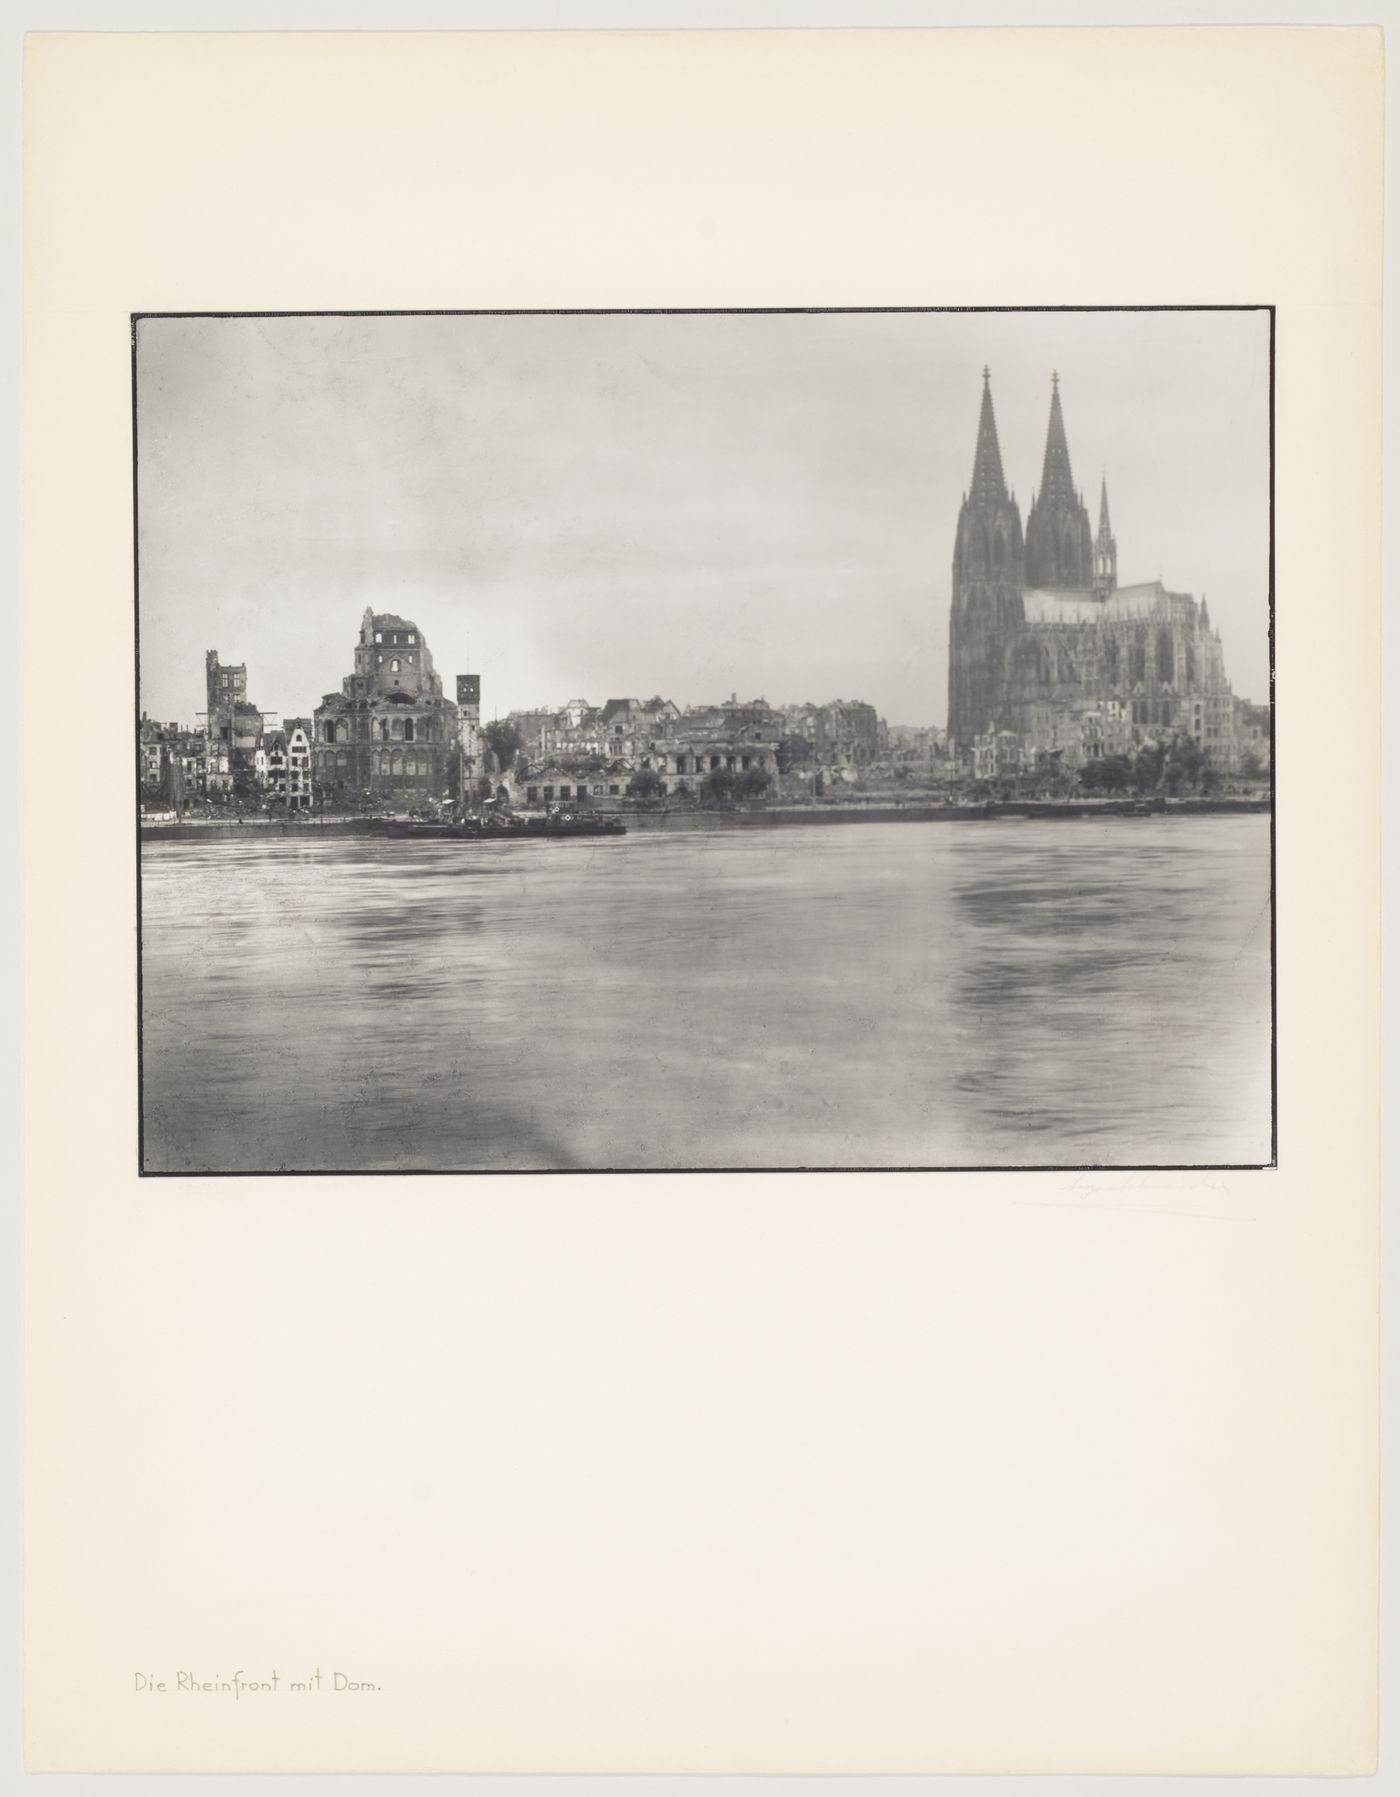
(1042, 639)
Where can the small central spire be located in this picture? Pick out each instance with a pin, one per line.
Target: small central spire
(986, 375)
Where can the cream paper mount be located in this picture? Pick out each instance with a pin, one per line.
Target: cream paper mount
(775, 1473)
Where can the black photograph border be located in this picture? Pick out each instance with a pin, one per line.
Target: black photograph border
(1104, 1168)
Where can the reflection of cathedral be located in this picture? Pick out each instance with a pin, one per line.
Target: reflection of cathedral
(1040, 627)
(388, 730)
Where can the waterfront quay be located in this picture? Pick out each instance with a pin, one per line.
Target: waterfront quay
(214, 828)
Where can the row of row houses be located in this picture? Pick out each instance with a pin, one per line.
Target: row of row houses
(180, 764)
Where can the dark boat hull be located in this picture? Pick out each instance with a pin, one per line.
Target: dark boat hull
(528, 830)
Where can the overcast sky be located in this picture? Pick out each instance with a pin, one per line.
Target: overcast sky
(692, 505)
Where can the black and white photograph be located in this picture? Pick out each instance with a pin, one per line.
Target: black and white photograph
(682, 741)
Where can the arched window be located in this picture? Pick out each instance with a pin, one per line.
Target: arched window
(328, 730)
(1166, 662)
(342, 731)
(394, 665)
(396, 730)
(408, 730)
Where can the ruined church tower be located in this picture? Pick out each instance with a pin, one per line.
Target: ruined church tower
(988, 575)
(1059, 542)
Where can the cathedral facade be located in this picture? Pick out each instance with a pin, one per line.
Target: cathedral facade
(1044, 642)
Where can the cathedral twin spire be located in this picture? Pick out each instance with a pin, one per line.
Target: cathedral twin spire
(988, 480)
(1060, 548)
(989, 544)
(1056, 476)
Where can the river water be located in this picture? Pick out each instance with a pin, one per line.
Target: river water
(996, 992)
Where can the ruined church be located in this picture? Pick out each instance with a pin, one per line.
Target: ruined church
(1041, 633)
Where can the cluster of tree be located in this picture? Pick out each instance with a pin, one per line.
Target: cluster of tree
(505, 742)
(1174, 767)
(1171, 768)
(646, 783)
(721, 786)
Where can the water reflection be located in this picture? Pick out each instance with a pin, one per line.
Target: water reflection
(992, 993)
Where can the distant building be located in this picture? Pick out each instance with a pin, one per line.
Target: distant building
(172, 761)
(997, 755)
(844, 733)
(684, 760)
(912, 742)
(573, 731)
(531, 725)
(224, 685)
(150, 740)
(599, 748)
(469, 738)
(630, 725)
(1077, 730)
(1253, 734)
(233, 727)
(287, 778)
(388, 734)
(554, 784)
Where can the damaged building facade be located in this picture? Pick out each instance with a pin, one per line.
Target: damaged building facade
(388, 734)
(233, 726)
(1041, 634)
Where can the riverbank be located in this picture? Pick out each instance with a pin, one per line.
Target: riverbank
(199, 829)
(740, 817)
(1054, 810)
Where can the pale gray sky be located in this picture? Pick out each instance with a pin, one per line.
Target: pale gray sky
(692, 505)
